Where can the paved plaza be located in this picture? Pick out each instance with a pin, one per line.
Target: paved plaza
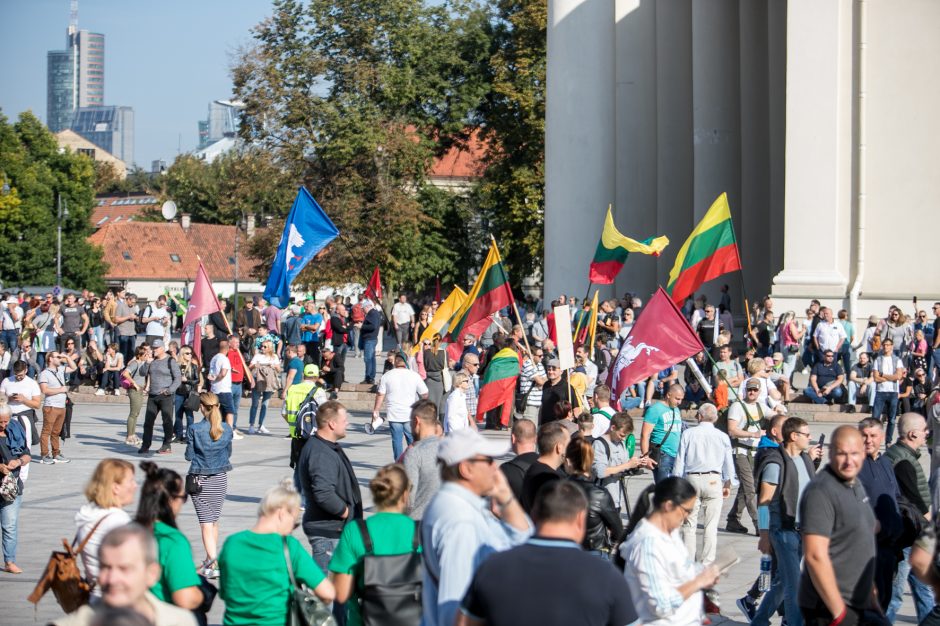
(54, 493)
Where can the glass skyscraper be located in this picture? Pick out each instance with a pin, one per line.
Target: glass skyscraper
(74, 77)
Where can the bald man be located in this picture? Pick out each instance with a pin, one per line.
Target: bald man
(838, 528)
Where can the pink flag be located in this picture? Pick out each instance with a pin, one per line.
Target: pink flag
(660, 337)
(203, 300)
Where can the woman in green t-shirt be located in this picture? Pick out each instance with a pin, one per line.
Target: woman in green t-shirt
(392, 532)
(161, 498)
(260, 595)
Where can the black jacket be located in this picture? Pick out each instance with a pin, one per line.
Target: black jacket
(330, 486)
(515, 470)
(604, 528)
(371, 325)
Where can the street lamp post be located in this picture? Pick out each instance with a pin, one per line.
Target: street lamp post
(241, 225)
(63, 213)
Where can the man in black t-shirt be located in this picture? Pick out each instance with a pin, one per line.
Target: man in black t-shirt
(555, 389)
(523, 445)
(550, 580)
(706, 327)
(552, 441)
(825, 381)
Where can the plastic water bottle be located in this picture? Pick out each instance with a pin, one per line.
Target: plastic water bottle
(765, 575)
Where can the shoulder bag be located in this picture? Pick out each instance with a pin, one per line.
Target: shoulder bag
(304, 608)
(62, 575)
(656, 449)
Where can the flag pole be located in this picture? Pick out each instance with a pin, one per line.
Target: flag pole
(228, 328)
(525, 338)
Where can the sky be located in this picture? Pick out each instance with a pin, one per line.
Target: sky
(166, 59)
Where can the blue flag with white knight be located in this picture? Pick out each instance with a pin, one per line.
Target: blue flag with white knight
(307, 231)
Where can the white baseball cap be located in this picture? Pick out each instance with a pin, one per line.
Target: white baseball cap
(467, 443)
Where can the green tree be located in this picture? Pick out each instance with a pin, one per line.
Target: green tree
(38, 175)
(356, 97)
(512, 193)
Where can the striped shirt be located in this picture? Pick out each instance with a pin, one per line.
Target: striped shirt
(472, 393)
(657, 564)
(529, 372)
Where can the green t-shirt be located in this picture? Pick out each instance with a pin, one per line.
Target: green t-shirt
(253, 579)
(391, 533)
(176, 562)
(662, 418)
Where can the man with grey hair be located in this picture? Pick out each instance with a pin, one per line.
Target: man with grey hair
(914, 490)
(128, 569)
(705, 461)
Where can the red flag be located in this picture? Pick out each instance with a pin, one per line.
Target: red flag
(437, 289)
(374, 290)
(203, 300)
(660, 337)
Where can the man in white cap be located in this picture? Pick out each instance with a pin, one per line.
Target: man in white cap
(474, 515)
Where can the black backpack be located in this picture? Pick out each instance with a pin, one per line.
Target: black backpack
(140, 326)
(390, 587)
(305, 424)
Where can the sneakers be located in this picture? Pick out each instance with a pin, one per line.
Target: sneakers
(117, 392)
(748, 608)
(237, 435)
(164, 450)
(47, 460)
(251, 430)
(100, 392)
(60, 458)
(264, 431)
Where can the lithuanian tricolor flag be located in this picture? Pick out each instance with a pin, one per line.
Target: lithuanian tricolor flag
(498, 385)
(710, 251)
(490, 293)
(613, 250)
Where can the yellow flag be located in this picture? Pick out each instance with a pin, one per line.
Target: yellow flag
(592, 329)
(445, 311)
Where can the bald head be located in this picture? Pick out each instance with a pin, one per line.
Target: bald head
(846, 452)
(523, 436)
(912, 430)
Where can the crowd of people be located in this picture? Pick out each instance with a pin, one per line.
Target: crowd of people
(492, 536)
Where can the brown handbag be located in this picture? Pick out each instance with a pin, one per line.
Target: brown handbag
(62, 575)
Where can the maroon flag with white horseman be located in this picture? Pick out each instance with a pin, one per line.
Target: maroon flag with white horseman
(660, 337)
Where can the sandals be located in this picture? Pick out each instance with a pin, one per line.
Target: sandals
(12, 568)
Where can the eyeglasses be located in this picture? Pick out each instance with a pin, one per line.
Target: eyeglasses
(687, 511)
(802, 434)
(753, 390)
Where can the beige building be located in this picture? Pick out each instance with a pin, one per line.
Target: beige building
(76, 143)
(817, 117)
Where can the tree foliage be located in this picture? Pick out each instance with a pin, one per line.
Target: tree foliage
(356, 97)
(512, 193)
(38, 174)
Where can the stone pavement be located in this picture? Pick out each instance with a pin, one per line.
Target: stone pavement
(54, 493)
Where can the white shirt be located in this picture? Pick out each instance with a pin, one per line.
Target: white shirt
(602, 421)
(828, 335)
(887, 365)
(401, 388)
(456, 415)
(12, 317)
(736, 414)
(54, 379)
(590, 371)
(221, 385)
(28, 388)
(402, 313)
(657, 565)
(704, 448)
(156, 327)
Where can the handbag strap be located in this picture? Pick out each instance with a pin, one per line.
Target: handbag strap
(290, 569)
(366, 538)
(88, 537)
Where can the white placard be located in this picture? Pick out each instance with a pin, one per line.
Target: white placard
(565, 344)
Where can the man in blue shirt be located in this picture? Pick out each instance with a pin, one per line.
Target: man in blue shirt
(662, 428)
(310, 325)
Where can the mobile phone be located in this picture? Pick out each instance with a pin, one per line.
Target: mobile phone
(822, 440)
(915, 300)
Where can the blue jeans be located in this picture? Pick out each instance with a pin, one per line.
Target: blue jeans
(922, 594)
(322, 549)
(664, 469)
(179, 412)
(126, 346)
(629, 402)
(398, 429)
(9, 516)
(368, 348)
(236, 400)
(9, 337)
(788, 550)
(886, 400)
(110, 380)
(262, 398)
(835, 395)
(853, 393)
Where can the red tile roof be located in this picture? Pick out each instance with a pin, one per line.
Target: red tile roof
(460, 162)
(142, 251)
(112, 209)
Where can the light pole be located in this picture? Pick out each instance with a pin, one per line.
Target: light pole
(241, 225)
(63, 213)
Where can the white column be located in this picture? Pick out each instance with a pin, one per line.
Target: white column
(636, 166)
(579, 138)
(716, 115)
(818, 149)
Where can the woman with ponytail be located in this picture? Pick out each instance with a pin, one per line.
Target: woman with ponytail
(665, 582)
(209, 448)
(161, 498)
(391, 531)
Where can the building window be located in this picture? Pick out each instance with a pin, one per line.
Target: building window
(126, 255)
(231, 260)
(175, 258)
